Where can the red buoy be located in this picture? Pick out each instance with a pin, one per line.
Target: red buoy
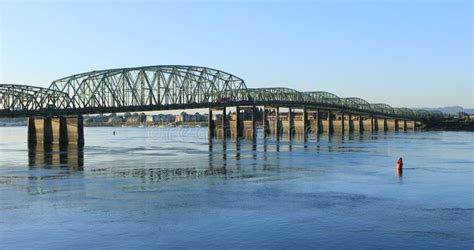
(400, 163)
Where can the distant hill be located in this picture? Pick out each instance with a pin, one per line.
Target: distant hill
(452, 110)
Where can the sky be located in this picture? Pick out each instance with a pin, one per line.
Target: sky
(404, 53)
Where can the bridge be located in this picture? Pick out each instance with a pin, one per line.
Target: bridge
(55, 113)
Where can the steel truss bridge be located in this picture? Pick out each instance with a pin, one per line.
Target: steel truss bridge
(168, 87)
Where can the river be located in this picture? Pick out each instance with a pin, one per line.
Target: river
(172, 188)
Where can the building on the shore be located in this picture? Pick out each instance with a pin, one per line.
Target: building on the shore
(185, 117)
(464, 115)
(136, 118)
(115, 120)
(160, 118)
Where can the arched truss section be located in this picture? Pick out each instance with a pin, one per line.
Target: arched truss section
(278, 95)
(404, 112)
(15, 97)
(382, 108)
(326, 98)
(151, 86)
(355, 102)
(421, 113)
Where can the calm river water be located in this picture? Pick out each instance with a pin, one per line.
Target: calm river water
(171, 188)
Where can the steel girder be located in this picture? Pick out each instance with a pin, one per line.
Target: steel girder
(382, 108)
(15, 97)
(325, 98)
(151, 86)
(358, 103)
(169, 87)
(404, 112)
(262, 95)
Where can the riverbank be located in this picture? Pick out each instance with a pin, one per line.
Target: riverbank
(449, 125)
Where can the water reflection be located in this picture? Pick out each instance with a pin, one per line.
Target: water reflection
(239, 158)
(56, 156)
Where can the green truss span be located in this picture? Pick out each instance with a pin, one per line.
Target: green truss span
(168, 87)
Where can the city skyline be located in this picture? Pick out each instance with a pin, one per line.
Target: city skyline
(416, 54)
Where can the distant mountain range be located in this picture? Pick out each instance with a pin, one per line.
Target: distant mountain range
(451, 110)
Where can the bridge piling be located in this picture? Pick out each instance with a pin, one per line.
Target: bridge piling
(40, 130)
(210, 125)
(316, 125)
(410, 125)
(289, 124)
(218, 127)
(327, 123)
(367, 124)
(392, 124)
(243, 125)
(381, 124)
(338, 123)
(75, 130)
(275, 124)
(400, 124)
(56, 130)
(348, 123)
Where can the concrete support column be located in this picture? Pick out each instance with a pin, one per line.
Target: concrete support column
(316, 123)
(343, 122)
(392, 124)
(225, 124)
(367, 124)
(277, 124)
(31, 130)
(306, 125)
(290, 124)
(254, 121)
(382, 124)
(410, 125)
(327, 124)
(75, 130)
(357, 123)
(349, 123)
(265, 127)
(400, 125)
(62, 130)
(40, 130)
(59, 130)
(236, 128)
(211, 126)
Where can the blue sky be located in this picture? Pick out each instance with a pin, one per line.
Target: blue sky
(404, 53)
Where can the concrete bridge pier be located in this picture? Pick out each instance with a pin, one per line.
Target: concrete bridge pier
(392, 125)
(339, 123)
(348, 123)
(301, 123)
(274, 123)
(314, 122)
(218, 125)
(243, 125)
(381, 124)
(367, 124)
(410, 125)
(57, 130)
(40, 130)
(357, 123)
(327, 123)
(289, 124)
(265, 127)
(402, 125)
(75, 130)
